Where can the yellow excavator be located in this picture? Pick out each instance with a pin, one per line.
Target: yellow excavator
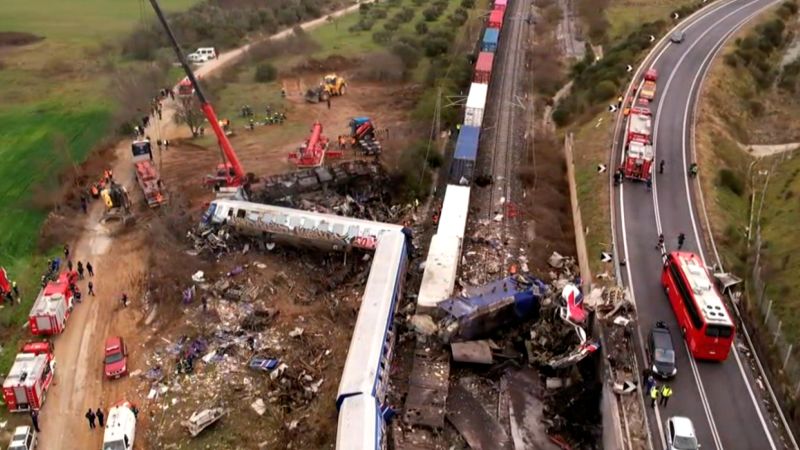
(332, 85)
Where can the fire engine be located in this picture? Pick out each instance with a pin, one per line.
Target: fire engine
(638, 148)
(53, 305)
(30, 377)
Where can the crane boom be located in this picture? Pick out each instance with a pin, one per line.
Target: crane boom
(238, 177)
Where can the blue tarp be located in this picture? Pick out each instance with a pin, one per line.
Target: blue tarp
(467, 143)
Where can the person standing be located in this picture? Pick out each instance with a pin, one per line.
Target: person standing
(329, 103)
(35, 420)
(69, 265)
(89, 269)
(660, 244)
(653, 396)
(84, 205)
(666, 393)
(80, 270)
(649, 384)
(100, 417)
(681, 240)
(661, 167)
(649, 184)
(66, 251)
(124, 300)
(90, 417)
(15, 289)
(91, 289)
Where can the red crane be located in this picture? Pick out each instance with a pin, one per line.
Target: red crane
(230, 173)
(312, 153)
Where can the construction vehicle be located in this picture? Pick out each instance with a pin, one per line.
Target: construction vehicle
(648, 90)
(362, 133)
(230, 172)
(313, 152)
(25, 387)
(146, 173)
(118, 204)
(53, 305)
(332, 85)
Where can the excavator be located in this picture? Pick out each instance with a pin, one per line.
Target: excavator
(118, 205)
(332, 85)
(230, 173)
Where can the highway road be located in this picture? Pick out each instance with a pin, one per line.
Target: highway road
(724, 402)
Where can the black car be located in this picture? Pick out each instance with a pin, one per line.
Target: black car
(661, 351)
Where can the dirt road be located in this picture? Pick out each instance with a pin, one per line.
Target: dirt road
(120, 262)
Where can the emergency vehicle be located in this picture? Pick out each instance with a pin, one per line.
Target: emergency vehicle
(30, 377)
(120, 427)
(53, 305)
(638, 148)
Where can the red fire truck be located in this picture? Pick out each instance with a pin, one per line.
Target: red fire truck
(26, 385)
(648, 90)
(638, 148)
(53, 305)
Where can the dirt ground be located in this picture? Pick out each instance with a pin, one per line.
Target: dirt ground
(149, 262)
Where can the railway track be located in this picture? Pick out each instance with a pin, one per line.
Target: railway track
(506, 133)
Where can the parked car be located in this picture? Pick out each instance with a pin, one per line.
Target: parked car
(120, 429)
(116, 360)
(677, 37)
(24, 438)
(202, 54)
(680, 434)
(661, 351)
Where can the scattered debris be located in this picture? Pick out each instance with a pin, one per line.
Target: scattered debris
(478, 352)
(200, 420)
(259, 407)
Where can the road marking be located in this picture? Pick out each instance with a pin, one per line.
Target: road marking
(704, 67)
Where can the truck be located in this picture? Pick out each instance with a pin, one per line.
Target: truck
(120, 430)
(476, 103)
(146, 173)
(638, 160)
(490, 38)
(26, 385)
(53, 305)
(483, 68)
(640, 124)
(500, 4)
(362, 130)
(648, 90)
(466, 153)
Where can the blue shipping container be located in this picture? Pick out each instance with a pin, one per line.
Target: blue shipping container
(490, 37)
(463, 166)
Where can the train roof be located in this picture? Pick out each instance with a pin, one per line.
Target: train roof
(358, 416)
(453, 218)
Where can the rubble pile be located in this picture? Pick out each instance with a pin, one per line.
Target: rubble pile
(340, 176)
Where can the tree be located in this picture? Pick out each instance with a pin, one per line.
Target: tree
(265, 72)
(188, 112)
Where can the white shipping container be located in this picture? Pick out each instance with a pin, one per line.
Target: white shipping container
(453, 218)
(441, 268)
(476, 104)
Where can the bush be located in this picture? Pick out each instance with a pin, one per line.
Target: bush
(419, 2)
(756, 108)
(405, 15)
(408, 53)
(421, 27)
(731, 181)
(604, 90)
(459, 17)
(265, 72)
(431, 14)
(467, 4)
(391, 26)
(435, 46)
(381, 37)
(379, 13)
(561, 116)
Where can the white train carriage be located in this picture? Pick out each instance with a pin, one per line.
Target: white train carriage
(360, 424)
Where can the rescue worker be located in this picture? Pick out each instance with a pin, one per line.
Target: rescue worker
(621, 173)
(35, 420)
(650, 383)
(84, 205)
(90, 417)
(661, 167)
(693, 170)
(649, 184)
(80, 270)
(91, 289)
(619, 102)
(89, 269)
(15, 289)
(66, 251)
(660, 244)
(653, 396)
(666, 393)
(681, 240)
(617, 178)
(69, 265)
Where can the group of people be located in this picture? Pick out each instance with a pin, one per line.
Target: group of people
(658, 394)
(660, 244)
(619, 175)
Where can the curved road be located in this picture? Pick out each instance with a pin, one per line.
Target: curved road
(724, 402)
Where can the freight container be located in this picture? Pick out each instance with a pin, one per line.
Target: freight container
(483, 67)
(490, 37)
(496, 19)
(463, 165)
(500, 4)
(476, 103)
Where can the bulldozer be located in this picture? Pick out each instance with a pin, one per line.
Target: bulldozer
(118, 205)
(332, 85)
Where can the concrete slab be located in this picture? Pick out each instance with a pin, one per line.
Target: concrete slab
(479, 429)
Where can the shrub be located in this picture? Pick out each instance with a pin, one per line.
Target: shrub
(435, 46)
(379, 13)
(265, 72)
(431, 14)
(419, 2)
(728, 179)
(467, 4)
(561, 116)
(421, 27)
(604, 90)
(391, 26)
(382, 37)
(405, 15)
(408, 53)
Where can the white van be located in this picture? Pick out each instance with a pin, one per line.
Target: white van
(202, 54)
(24, 438)
(120, 427)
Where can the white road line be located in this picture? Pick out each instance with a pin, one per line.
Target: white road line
(706, 63)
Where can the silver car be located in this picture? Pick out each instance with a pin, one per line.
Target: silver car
(680, 434)
(677, 37)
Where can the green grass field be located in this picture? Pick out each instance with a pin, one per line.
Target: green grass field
(625, 16)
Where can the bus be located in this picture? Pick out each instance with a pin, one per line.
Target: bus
(704, 320)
